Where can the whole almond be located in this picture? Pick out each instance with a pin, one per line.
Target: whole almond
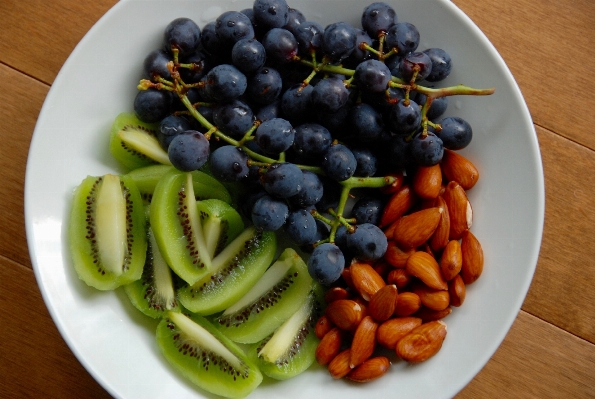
(399, 277)
(423, 266)
(431, 298)
(472, 251)
(412, 230)
(396, 256)
(451, 260)
(329, 346)
(458, 168)
(426, 314)
(339, 366)
(427, 181)
(370, 370)
(364, 341)
(323, 325)
(459, 210)
(334, 293)
(344, 313)
(397, 205)
(382, 304)
(422, 342)
(365, 279)
(440, 237)
(457, 291)
(391, 331)
(407, 304)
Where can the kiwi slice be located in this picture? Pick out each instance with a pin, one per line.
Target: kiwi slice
(204, 185)
(291, 349)
(221, 223)
(278, 294)
(234, 271)
(107, 231)
(177, 226)
(134, 144)
(205, 356)
(155, 292)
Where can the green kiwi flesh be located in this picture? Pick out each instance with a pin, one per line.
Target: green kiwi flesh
(107, 231)
(221, 223)
(177, 226)
(205, 356)
(205, 186)
(234, 271)
(155, 292)
(133, 143)
(291, 349)
(277, 295)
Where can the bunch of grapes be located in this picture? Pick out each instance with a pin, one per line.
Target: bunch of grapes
(305, 116)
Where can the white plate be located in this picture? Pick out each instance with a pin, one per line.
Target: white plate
(116, 343)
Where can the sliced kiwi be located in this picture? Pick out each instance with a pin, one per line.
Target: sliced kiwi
(221, 223)
(205, 356)
(133, 143)
(234, 271)
(278, 294)
(291, 348)
(107, 231)
(177, 226)
(205, 186)
(155, 292)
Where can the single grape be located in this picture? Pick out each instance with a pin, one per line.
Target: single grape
(295, 103)
(427, 150)
(269, 111)
(170, 127)
(339, 40)
(404, 37)
(359, 54)
(225, 83)
(209, 39)
(229, 163)
(339, 163)
(280, 45)
(368, 242)
(367, 210)
(378, 18)
(269, 213)
(330, 94)
(152, 105)
(274, 136)
(248, 55)
(232, 26)
(372, 75)
(311, 139)
(233, 118)
(310, 193)
(301, 227)
(336, 122)
(404, 119)
(399, 152)
(189, 151)
(441, 64)
(367, 162)
(201, 64)
(455, 133)
(182, 34)
(294, 19)
(309, 37)
(264, 86)
(282, 180)
(155, 65)
(271, 13)
(412, 62)
(326, 263)
(367, 122)
(437, 108)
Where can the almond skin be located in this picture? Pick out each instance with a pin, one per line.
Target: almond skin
(344, 313)
(427, 181)
(339, 366)
(423, 266)
(458, 168)
(459, 210)
(391, 331)
(396, 256)
(422, 343)
(329, 346)
(334, 293)
(412, 230)
(382, 304)
(431, 298)
(370, 370)
(364, 341)
(451, 260)
(440, 237)
(365, 279)
(426, 314)
(407, 304)
(323, 325)
(457, 291)
(397, 205)
(399, 277)
(472, 251)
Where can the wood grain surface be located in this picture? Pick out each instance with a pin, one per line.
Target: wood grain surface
(547, 44)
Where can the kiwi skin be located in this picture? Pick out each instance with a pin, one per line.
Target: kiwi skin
(83, 247)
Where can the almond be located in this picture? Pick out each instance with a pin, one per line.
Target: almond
(440, 237)
(396, 256)
(399, 277)
(370, 370)
(344, 313)
(472, 266)
(397, 205)
(329, 346)
(459, 210)
(334, 293)
(346, 275)
(426, 314)
(391, 331)
(339, 366)
(427, 181)
(457, 291)
(423, 266)
(383, 302)
(364, 341)
(451, 260)
(458, 168)
(431, 298)
(407, 304)
(323, 325)
(412, 230)
(422, 343)
(365, 279)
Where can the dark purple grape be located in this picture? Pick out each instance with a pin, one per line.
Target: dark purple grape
(183, 34)
(368, 242)
(234, 118)
(413, 61)
(311, 139)
(367, 210)
(399, 153)
(366, 122)
(170, 127)
(372, 75)
(248, 55)
(367, 162)
(309, 37)
(294, 19)
(441, 64)
(404, 119)
(282, 180)
(269, 213)
(274, 136)
(155, 65)
(280, 45)
(229, 163)
(358, 54)
(189, 151)
(455, 133)
(152, 105)
(427, 150)
(378, 18)
(295, 103)
(311, 192)
(339, 40)
(209, 39)
(269, 111)
(437, 108)
(336, 122)
(232, 26)
(201, 64)
(301, 227)
(271, 13)
(330, 195)
(330, 94)
(264, 86)
(339, 163)
(404, 37)
(326, 263)
(225, 83)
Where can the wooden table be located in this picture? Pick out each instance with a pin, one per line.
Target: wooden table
(550, 350)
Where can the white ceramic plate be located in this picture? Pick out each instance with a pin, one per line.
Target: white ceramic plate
(116, 343)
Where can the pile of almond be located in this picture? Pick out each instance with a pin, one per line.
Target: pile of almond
(399, 302)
